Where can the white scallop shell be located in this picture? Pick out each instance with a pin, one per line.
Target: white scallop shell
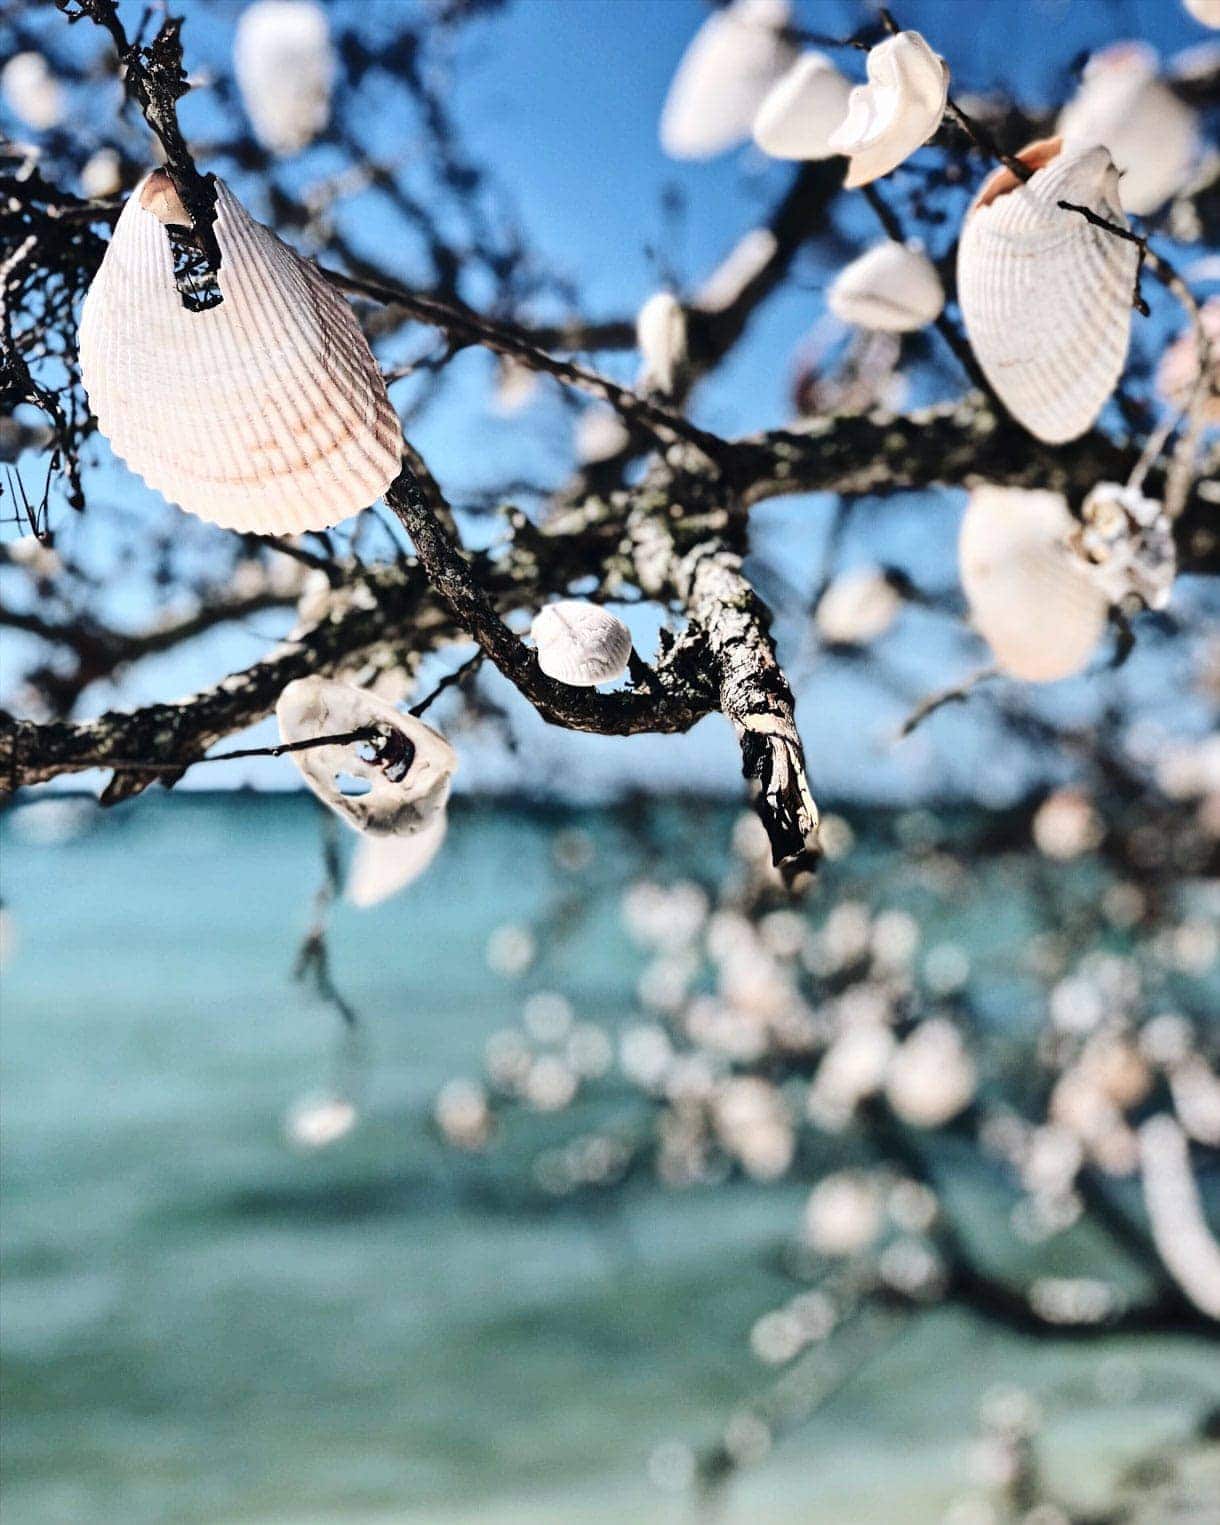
(1207, 12)
(857, 607)
(802, 110)
(32, 92)
(408, 773)
(1045, 295)
(285, 67)
(661, 335)
(381, 866)
(1033, 598)
(723, 78)
(266, 413)
(581, 644)
(1153, 137)
(898, 110)
(893, 287)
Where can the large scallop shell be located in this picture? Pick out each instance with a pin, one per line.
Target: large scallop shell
(265, 413)
(898, 110)
(893, 287)
(1034, 599)
(723, 77)
(661, 335)
(582, 644)
(802, 110)
(284, 65)
(1045, 295)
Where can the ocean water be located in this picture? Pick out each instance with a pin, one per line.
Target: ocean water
(202, 1324)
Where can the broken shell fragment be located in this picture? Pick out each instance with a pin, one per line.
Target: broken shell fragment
(31, 92)
(898, 110)
(381, 866)
(285, 66)
(1034, 600)
(581, 644)
(1129, 540)
(802, 110)
(661, 335)
(265, 412)
(1045, 294)
(893, 287)
(406, 766)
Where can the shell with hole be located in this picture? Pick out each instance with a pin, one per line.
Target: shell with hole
(1033, 598)
(893, 287)
(381, 866)
(898, 110)
(802, 110)
(580, 644)
(660, 330)
(285, 68)
(1045, 294)
(264, 413)
(406, 766)
(723, 77)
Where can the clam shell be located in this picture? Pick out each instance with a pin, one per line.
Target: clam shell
(898, 110)
(1046, 296)
(723, 78)
(802, 110)
(265, 413)
(893, 287)
(31, 92)
(1033, 599)
(408, 773)
(381, 866)
(661, 335)
(581, 644)
(284, 65)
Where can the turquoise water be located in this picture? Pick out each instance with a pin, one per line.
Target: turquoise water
(202, 1324)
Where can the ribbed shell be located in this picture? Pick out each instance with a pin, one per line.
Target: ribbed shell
(1033, 598)
(1046, 296)
(266, 413)
(802, 110)
(284, 66)
(581, 644)
(891, 287)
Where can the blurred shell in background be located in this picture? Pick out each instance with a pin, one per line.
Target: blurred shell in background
(1033, 599)
(802, 110)
(285, 68)
(1179, 368)
(1206, 11)
(381, 866)
(600, 434)
(1129, 540)
(32, 92)
(407, 768)
(723, 77)
(892, 286)
(580, 644)
(1045, 295)
(898, 110)
(857, 607)
(1153, 137)
(661, 335)
(102, 174)
(931, 1077)
(314, 1122)
(264, 413)
(744, 263)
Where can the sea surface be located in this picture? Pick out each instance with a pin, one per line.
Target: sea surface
(202, 1323)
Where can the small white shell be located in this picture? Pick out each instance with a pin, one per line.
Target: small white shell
(857, 607)
(893, 287)
(599, 434)
(1045, 295)
(723, 78)
(284, 65)
(408, 772)
(745, 262)
(931, 1076)
(32, 92)
(898, 110)
(661, 335)
(802, 110)
(581, 644)
(1034, 599)
(381, 866)
(266, 413)
(1206, 12)
(1153, 137)
(102, 174)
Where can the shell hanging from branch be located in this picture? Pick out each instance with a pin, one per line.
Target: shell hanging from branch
(661, 335)
(802, 110)
(1034, 599)
(382, 866)
(285, 67)
(893, 287)
(896, 112)
(581, 644)
(407, 766)
(723, 77)
(1046, 296)
(265, 412)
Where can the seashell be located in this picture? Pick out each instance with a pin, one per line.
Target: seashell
(661, 334)
(314, 1122)
(31, 92)
(285, 67)
(802, 110)
(898, 110)
(1153, 137)
(600, 434)
(1176, 1214)
(857, 607)
(516, 386)
(843, 1214)
(1206, 12)
(381, 866)
(408, 768)
(102, 174)
(723, 77)
(581, 644)
(892, 286)
(1179, 368)
(1128, 538)
(265, 413)
(745, 262)
(931, 1077)
(1045, 295)
(1033, 599)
